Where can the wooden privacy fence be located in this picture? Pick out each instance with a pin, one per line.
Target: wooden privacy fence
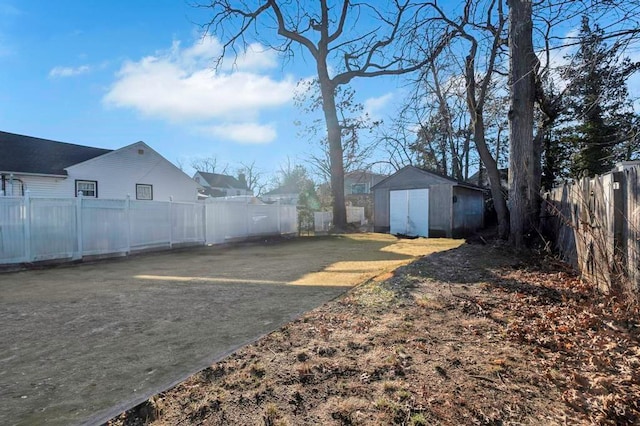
(38, 229)
(595, 225)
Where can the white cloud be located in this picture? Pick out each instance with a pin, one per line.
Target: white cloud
(180, 85)
(375, 106)
(256, 57)
(57, 72)
(245, 133)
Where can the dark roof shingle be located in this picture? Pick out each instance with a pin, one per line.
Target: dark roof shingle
(222, 181)
(26, 154)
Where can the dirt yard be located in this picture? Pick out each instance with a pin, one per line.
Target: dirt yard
(470, 336)
(82, 343)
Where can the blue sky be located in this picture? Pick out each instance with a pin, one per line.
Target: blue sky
(110, 73)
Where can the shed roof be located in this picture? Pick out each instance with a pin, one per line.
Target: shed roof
(363, 175)
(217, 180)
(453, 182)
(27, 154)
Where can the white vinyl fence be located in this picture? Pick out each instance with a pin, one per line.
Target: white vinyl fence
(37, 229)
(324, 220)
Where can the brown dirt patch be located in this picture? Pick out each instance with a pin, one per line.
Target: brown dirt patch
(467, 336)
(79, 343)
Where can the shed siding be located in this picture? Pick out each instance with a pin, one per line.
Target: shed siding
(381, 209)
(412, 178)
(446, 219)
(468, 211)
(440, 210)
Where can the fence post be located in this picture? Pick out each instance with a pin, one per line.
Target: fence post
(79, 226)
(246, 210)
(27, 226)
(127, 217)
(279, 216)
(204, 222)
(619, 199)
(170, 221)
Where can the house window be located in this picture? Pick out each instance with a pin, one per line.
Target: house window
(144, 191)
(89, 188)
(358, 188)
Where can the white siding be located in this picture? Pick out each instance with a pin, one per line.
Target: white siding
(43, 186)
(202, 181)
(118, 172)
(230, 192)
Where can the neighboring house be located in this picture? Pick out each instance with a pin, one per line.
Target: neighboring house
(219, 185)
(360, 182)
(481, 178)
(357, 190)
(285, 194)
(48, 168)
(413, 201)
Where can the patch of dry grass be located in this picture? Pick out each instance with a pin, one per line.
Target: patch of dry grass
(430, 345)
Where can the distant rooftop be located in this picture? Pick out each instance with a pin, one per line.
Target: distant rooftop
(217, 180)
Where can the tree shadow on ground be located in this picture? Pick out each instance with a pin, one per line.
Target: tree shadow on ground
(486, 266)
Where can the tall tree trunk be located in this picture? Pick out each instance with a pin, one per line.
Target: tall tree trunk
(491, 167)
(336, 158)
(523, 187)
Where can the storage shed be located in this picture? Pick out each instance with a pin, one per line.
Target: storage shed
(417, 202)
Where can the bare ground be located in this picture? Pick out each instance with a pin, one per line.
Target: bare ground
(468, 336)
(82, 343)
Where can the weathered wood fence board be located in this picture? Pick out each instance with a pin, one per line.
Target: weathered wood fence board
(632, 229)
(595, 225)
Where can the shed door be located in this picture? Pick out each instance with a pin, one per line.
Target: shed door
(409, 212)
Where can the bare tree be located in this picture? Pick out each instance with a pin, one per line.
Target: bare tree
(482, 30)
(439, 111)
(445, 124)
(253, 177)
(353, 121)
(208, 165)
(180, 164)
(396, 143)
(347, 41)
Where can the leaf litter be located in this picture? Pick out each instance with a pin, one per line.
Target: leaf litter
(467, 336)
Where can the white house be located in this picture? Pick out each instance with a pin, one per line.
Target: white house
(285, 194)
(48, 168)
(219, 185)
(359, 182)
